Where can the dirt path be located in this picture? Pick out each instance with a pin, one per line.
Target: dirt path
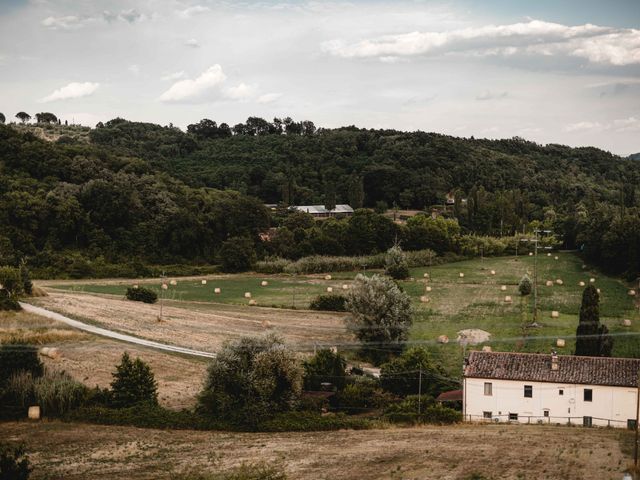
(110, 334)
(78, 451)
(197, 326)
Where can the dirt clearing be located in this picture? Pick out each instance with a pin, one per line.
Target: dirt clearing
(74, 452)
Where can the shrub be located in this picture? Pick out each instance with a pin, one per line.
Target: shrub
(25, 277)
(17, 357)
(396, 265)
(133, 383)
(525, 287)
(360, 396)
(311, 422)
(331, 303)
(237, 255)
(250, 380)
(10, 288)
(7, 302)
(324, 367)
(14, 464)
(406, 411)
(142, 294)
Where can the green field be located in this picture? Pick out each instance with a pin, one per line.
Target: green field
(455, 303)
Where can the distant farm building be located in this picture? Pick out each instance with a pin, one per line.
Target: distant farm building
(319, 211)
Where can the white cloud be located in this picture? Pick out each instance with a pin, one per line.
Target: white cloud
(192, 42)
(602, 45)
(269, 97)
(192, 11)
(583, 126)
(72, 90)
(69, 22)
(240, 92)
(173, 76)
(629, 124)
(130, 16)
(202, 88)
(489, 95)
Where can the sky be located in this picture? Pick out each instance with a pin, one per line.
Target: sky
(550, 71)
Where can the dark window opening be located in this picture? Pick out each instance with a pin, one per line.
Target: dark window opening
(487, 414)
(587, 421)
(513, 417)
(588, 395)
(546, 413)
(528, 391)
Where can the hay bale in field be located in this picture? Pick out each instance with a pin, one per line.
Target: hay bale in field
(508, 299)
(327, 277)
(165, 286)
(632, 292)
(556, 258)
(38, 292)
(44, 351)
(135, 287)
(582, 284)
(264, 283)
(247, 294)
(549, 283)
(345, 286)
(424, 299)
(204, 282)
(473, 336)
(598, 290)
(253, 303)
(531, 254)
(555, 314)
(503, 288)
(560, 342)
(443, 339)
(425, 275)
(34, 413)
(592, 280)
(493, 272)
(626, 322)
(486, 348)
(461, 275)
(216, 290)
(559, 281)
(548, 254)
(428, 289)
(329, 289)
(267, 324)
(173, 283)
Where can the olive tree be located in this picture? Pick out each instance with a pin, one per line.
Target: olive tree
(380, 315)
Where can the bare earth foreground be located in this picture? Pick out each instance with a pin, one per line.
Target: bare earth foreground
(76, 451)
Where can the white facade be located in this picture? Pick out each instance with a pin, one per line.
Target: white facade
(507, 400)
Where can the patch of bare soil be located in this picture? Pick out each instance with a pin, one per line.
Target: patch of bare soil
(76, 451)
(202, 326)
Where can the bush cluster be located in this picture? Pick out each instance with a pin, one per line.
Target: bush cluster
(141, 294)
(331, 303)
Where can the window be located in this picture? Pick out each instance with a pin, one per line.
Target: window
(488, 388)
(588, 395)
(631, 424)
(561, 391)
(546, 413)
(487, 414)
(528, 391)
(587, 421)
(513, 417)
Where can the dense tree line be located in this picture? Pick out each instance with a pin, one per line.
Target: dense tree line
(159, 193)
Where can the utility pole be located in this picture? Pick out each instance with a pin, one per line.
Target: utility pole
(163, 279)
(535, 240)
(420, 397)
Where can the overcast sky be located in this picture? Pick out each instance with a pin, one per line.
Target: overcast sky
(493, 68)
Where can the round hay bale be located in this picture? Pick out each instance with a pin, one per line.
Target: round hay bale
(267, 324)
(173, 283)
(165, 286)
(548, 254)
(428, 289)
(461, 275)
(582, 284)
(425, 275)
(486, 348)
(135, 287)
(556, 258)
(549, 283)
(329, 289)
(592, 280)
(54, 353)
(327, 277)
(531, 254)
(560, 342)
(424, 299)
(216, 290)
(34, 412)
(204, 282)
(38, 292)
(559, 281)
(493, 272)
(345, 286)
(264, 283)
(598, 290)
(44, 351)
(555, 314)
(252, 302)
(632, 292)
(503, 288)
(508, 299)
(247, 294)
(626, 322)
(443, 339)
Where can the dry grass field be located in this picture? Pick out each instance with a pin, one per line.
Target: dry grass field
(76, 451)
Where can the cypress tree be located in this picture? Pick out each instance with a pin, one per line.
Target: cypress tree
(592, 338)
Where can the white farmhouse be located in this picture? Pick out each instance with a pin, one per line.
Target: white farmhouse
(537, 388)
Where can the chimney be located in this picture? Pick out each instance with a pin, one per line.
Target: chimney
(554, 360)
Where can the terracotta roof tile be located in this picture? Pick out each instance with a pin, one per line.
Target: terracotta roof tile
(622, 372)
